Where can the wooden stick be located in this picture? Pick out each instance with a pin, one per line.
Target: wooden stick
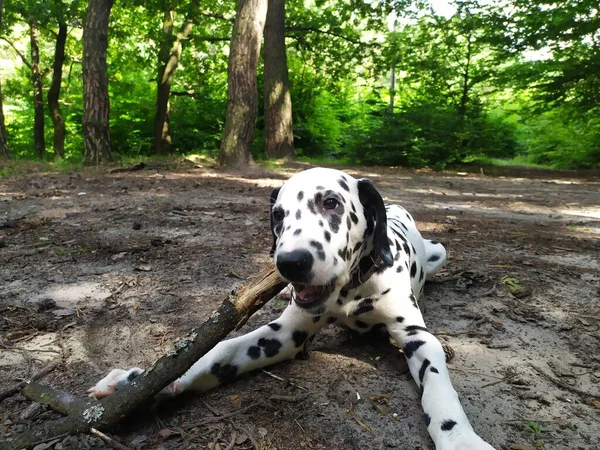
(36, 376)
(231, 315)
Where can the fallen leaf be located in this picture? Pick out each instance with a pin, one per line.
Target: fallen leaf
(143, 268)
(166, 433)
(241, 439)
(262, 432)
(64, 312)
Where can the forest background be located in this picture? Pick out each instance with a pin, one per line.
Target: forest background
(393, 82)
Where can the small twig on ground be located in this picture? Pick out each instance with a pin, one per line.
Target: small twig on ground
(284, 398)
(462, 333)
(36, 376)
(272, 375)
(445, 280)
(492, 383)
(210, 408)
(109, 441)
(562, 385)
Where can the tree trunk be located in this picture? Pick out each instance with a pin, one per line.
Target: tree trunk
(4, 153)
(279, 133)
(38, 94)
(54, 93)
(96, 104)
(242, 104)
(169, 56)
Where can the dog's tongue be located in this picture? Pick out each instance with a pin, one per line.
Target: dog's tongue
(308, 292)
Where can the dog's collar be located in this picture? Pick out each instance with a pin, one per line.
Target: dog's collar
(367, 266)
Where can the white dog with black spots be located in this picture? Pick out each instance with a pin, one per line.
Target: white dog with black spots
(351, 261)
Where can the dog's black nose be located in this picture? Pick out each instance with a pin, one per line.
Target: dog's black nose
(296, 266)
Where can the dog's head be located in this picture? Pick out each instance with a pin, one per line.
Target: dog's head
(326, 227)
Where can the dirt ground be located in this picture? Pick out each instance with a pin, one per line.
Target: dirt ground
(107, 270)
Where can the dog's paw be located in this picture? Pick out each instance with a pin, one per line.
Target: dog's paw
(111, 382)
(469, 441)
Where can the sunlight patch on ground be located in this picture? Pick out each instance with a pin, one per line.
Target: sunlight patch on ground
(69, 295)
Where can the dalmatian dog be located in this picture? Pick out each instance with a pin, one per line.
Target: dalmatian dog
(351, 260)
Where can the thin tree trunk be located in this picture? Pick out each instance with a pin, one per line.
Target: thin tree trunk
(54, 93)
(169, 56)
(38, 94)
(242, 95)
(96, 104)
(279, 133)
(4, 152)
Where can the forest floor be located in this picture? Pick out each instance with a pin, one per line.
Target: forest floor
(107, 270)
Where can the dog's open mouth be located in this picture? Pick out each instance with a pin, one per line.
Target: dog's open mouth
(307, 296)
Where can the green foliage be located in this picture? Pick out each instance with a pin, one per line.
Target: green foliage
(480, 85)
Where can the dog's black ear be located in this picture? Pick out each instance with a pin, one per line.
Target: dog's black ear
(272, 200)
(375, 211)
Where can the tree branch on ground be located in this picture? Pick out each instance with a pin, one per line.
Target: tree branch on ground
(90, 413)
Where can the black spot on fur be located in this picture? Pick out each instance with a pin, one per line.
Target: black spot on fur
(343, 184)
(298, 215)
(354, 217)
(399, 319)
(435, 242)
(339, 301)
(133, 375)
(270, 346)
(397, 256)
(363, 307)
(411, 347)
(447, 425)
(316, 319)
(275, 326)
(421, 274)
(413, 269)
(320, 223)
(225, 373)
(406, 249)
(427, 419)
(414, 329)
(413, 299)
(298, 231)
(433, 258)
(357, 297)
(404, 226)
(434, 370)
(320, 188)
(335, 262)
(254, 352)
(327, 236)
(353, 207)
(300, 195)
(423, 368)
(319, 247)
(361, 324)
(344, 293)
(386, 291)
(334, 222)
(357, 247)
(311, 206)
(331, 319)
(299, 337)
(399, 268)
(348, 223)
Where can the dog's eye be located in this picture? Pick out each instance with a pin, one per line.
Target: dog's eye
(278, 215)
(330, 203)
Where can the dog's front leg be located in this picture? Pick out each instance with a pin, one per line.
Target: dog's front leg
(281, 339)
(444, 416)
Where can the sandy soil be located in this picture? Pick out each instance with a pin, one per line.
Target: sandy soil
(106, 270)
